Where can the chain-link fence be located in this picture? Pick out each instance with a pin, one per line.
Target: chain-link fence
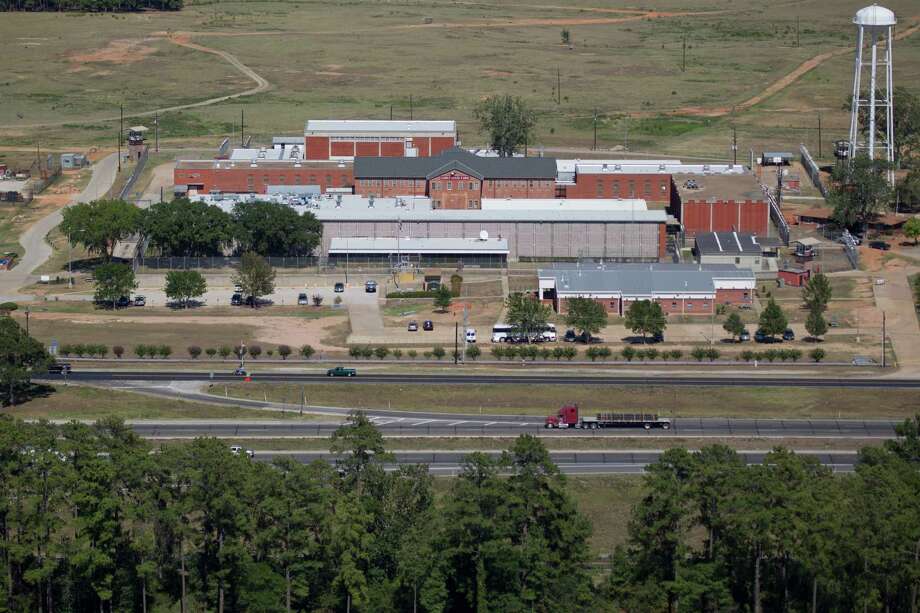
(811, 167)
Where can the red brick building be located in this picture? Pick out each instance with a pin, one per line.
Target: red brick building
(254, 176)
(680, 289)
(650, 181)
(348, 139)
(456, 179)
(720, 203)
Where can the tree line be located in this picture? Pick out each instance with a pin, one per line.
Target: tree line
(92, 519)
(185, 228)
(91, 6)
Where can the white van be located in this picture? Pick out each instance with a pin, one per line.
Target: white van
(471, 335)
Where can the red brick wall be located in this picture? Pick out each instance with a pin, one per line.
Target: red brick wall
(649, 187)
(681, 306)
(238, 179)
(518, 188)
(343, 148)
(662, 241)
(611, 304)
(390, 187)
(392, 149)
(724, 216)
(317, 147)
(367, 149)
(455, 190)
(792, 278)
(437, 144)
(734, 296)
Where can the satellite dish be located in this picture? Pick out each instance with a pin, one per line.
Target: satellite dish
(483, 235)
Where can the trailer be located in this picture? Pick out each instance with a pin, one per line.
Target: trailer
(568, 417)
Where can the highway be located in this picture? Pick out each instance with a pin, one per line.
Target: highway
(570, 462)
(99, 376)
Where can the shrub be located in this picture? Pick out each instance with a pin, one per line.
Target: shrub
(338, 300)
(240, 351)
(546, 353)
(317, 299)
(628, 354)
(307, 352)
(381, 352)
(497, 351)
(194, 351)
(140, 350)
(8, 307)
(367, 352)
(224, 351)
(211, 351)
(354, 351)
(164, 351)
(397, 353)
(783, 355)
(511, 352)
(712, 354)
(795, 355)
(427, 355)
(698, 353)
(817, 355)
(90, 350)
(438, 352)
(284, 351)
(473, 352)
(747, 355)
(269, 352)
(651, 354)
(570, 353)
(770, 355)
(676, 354)
(65, 350)
(639, 355)
(412, 353)
(665, 355)
(79, 349)
(591, 352)
(558, 353)
(604, 352)
(102, 350)
(529, 352)
(118, 350)
(255, 351)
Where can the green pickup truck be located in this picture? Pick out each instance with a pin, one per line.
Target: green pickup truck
(341, 371)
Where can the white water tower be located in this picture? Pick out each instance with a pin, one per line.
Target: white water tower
(873, 24)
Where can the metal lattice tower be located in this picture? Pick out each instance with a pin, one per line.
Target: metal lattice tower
(872, 24)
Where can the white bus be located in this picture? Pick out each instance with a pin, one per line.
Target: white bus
(504, 333)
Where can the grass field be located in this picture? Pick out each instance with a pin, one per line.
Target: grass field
(74, 70)
(77, 402)
(763, 402)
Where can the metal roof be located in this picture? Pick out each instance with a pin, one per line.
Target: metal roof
(427, 246)
(727, 243)
(455, 159)
(287, 140)
(738, 187)
(543, 204)
(264, 153)
(645, 279)
(365, 126)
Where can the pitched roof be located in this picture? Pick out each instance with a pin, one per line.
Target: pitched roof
(455, 159)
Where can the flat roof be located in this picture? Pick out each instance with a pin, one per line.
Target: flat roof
(424, 246)
(13, 185)
(569, 165)
(287, 140)
(360, 126)
(718, 187)
(728, 243)
(644, 279)
(264, 153)
(544, 204)
(258, 163)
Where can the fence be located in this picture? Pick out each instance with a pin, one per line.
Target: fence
(141, 162)
(776, 215)
(847, 246)
(337, 264)
(811, 167)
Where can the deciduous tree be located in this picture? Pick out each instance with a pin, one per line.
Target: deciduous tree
(646, 317)
(509, 122)
(526, 314)
(256, 277)
(772, 320)
(113, 281)
(275, 229)
(183, 285)
(733, 325)
(186, 228)
(99, 224)
(586, 315)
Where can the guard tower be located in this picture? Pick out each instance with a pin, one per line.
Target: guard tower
(137, 136)
(873, 104)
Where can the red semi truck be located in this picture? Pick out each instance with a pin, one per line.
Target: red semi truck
(568, 417)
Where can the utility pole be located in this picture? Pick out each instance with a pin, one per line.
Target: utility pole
(683, 59)
(819, 135)
(558, 87)
(242, 127)
(884, 362)
(734, 146)
(594, 148)
(391, 112)
(121, 130)
(456, 342)
(156, 131)
(410, 107)
(796, 30)
(626, 140)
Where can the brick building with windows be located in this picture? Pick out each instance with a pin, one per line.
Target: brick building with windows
(255, 176)
(456, 179)
(344, 140)
(680, 289)
(720, 203)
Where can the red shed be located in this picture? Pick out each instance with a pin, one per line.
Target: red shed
(796, 277)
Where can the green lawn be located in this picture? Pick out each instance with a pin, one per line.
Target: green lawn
(79, 402)
(536, 399)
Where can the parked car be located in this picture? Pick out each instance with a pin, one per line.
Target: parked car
(122, 302)
(59, 368)
(339, 288)
(341, 371)
(588, 339)
(658, 337)
(303, 299)
(238, 450)
(140, 301)
(236, 300)
(413, 326)
(761, 337)
(570, 336)
(744, 336)
(862, 360)
(428, 325)
(471, 335)
(880, 245)
(370, 287)
(788, 334)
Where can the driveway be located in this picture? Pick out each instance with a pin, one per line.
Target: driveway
(37, 249)
(365, 316)
(896, 300)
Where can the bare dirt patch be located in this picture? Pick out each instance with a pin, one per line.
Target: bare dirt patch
(120, 51)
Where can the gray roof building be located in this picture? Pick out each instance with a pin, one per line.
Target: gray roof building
(455, 159)
(645, 281)
(728, 243)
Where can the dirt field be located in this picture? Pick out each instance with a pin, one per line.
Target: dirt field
(740, 63)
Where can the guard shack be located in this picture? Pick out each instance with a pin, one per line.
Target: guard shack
(137, 142)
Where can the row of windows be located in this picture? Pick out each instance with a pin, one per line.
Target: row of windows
(615, 187)
(470, 204)
(298, 179)
(389, 182)
(519, 183)
(368, 139)
(449, 185)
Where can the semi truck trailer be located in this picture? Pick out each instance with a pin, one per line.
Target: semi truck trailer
(568, 417)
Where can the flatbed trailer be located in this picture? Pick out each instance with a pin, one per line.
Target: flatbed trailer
(568, 417)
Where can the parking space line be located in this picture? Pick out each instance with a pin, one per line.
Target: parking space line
(462, 421)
